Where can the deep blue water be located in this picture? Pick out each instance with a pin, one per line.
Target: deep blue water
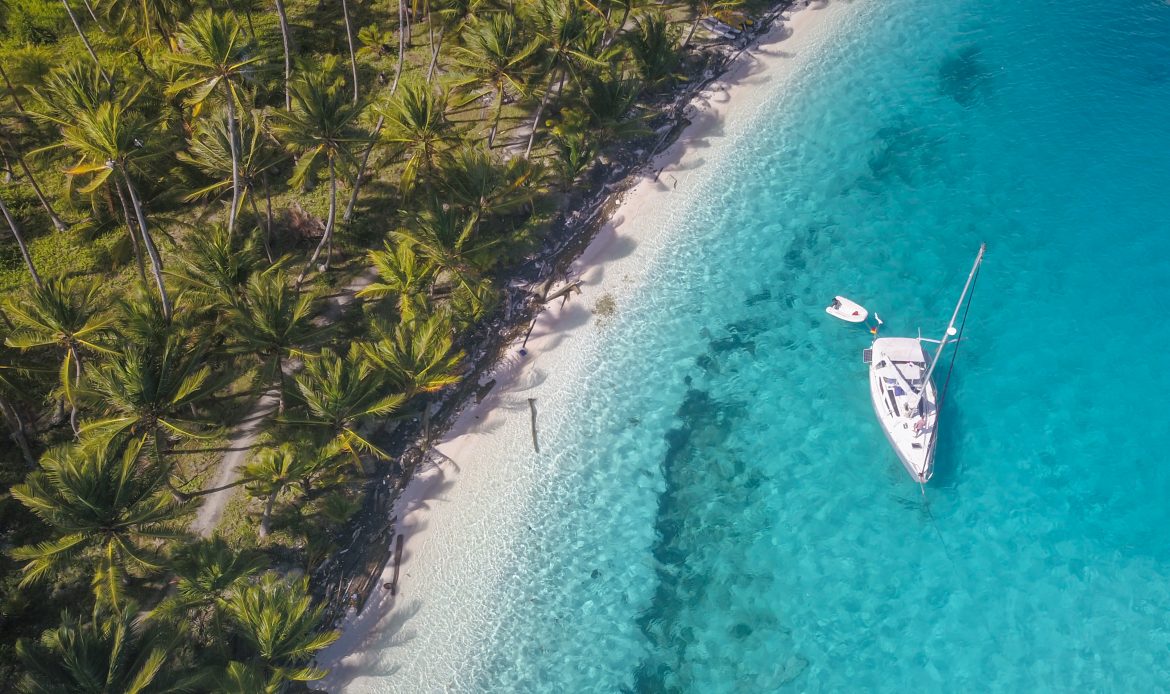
(722, 512)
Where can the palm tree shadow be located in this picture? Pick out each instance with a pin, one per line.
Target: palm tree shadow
(362, 656)
(424, 503)
(571, 317)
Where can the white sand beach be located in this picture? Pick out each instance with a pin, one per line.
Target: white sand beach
(459, 517)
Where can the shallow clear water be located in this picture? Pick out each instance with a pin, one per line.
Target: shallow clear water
(721, 512)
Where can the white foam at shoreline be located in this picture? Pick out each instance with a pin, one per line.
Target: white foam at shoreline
(460, 518)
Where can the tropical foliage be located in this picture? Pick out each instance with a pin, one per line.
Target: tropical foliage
(177, 282)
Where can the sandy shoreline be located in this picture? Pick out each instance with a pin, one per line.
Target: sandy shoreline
(458, 516)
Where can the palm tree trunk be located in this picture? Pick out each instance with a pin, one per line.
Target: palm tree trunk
(401, 44)
(155, 260)
(11, 90)
(133, 237)
(352, 54)
(332, 219)
(12, 226)
(406, 15)
(430, 25)
(247, 16)
(18, 435)
(89, 9)
(435, 56)
(32, 180)
(496, 120)
(691, 33)
(617, 28)
(73, 414)
(539, 113)
(267, 226)
(81, 33)
(267, 215)
(231, 105)
(327, 238)
(266, 519)
(279, 383)
(357, 182)
(287, 39)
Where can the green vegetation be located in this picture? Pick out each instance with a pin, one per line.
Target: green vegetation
(185, 185)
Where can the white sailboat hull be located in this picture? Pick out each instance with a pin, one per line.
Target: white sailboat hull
(905, 402)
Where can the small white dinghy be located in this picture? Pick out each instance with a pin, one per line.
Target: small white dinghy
(847, 310)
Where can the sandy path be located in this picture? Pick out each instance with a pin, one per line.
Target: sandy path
(244, 435)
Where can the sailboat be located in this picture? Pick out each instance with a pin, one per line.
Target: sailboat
(905, 397)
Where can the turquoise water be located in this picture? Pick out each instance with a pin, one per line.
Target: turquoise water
(722, 514)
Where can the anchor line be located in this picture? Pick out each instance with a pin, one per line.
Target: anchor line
(934, 442)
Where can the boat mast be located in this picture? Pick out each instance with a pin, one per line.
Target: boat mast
(951, 326)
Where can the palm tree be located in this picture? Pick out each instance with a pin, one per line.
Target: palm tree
(563, 31)
(340, 392)
(147, 392)
(113, 652)
(404, 275)
(286, 41)
(276, 469)
(62, 313)
(101, 503)
(469, 305)
(496, 54)
(612, 30)
(139, 320)
(608, 100)
(418, 129)
(9, 390)
(361, 169)
(110, 140)
(85, 40)
(210, 151)
(352, 53)
(214, 267)
(321, 130)
(481, 185)
(135, 16)
(452, 14)
(275, 322)
(206, 572)
(7, 144)
(418, 357)
(575, 152)
(242, 678)
(276, 619)
(16, 234)
(375, 43)
(77, 87)
(652, 44)
(217, 53)
(443, 238)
